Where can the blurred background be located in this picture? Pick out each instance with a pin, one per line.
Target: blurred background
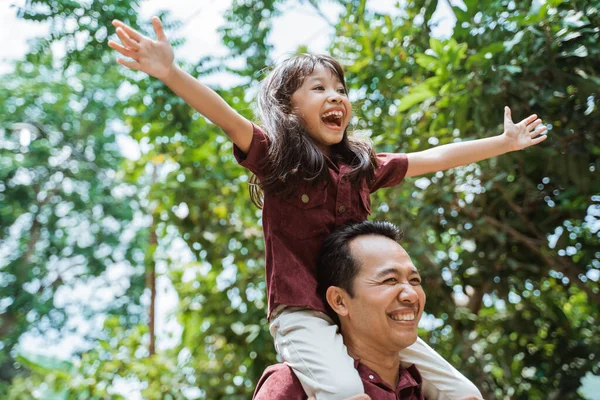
(131, 259)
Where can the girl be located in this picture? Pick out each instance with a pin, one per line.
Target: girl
(315, 178)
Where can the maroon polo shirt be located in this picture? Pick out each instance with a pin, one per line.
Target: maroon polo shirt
(279, 382)
(295, 227)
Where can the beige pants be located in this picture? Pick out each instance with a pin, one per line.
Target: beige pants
(309, 342)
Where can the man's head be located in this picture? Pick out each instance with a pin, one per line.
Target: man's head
(372, 285)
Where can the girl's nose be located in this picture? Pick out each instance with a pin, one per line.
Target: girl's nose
(335, 97)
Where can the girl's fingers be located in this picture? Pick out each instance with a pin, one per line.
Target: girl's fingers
(158, 28)
(507, 114)
(130, 31)
(127, 40)
(539, 139)
(529, 119)
(123, 50)
(129, 64)
(537, 132)
(534, 125)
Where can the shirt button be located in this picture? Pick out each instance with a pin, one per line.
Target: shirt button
(305, 198)
(371, 377)
(341, 210)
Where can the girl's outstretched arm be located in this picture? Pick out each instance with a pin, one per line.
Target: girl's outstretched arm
(155, 57)
(515, 137)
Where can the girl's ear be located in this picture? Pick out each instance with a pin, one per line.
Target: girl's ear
(336, 297)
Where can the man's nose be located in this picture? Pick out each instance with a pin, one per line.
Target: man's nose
(407, 294)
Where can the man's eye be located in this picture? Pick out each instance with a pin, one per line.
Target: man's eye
(416, 281)
(390, 281)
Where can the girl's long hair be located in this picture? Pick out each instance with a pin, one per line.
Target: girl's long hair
(293, 157)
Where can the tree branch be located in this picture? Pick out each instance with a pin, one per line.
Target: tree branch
(569, 269)
(320, 13)
(519, 210)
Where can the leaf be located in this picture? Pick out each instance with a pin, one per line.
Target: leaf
(595, 80)
(575, 19)
(461, 15)
(415, 96)
(509, 44)
(493, 48)
(43, 364)
(580, 51)
(512, 69)
(428, 62)
(570, 36)
(436, 46)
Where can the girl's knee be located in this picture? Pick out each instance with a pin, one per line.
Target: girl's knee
(468, 391)
(347, 387)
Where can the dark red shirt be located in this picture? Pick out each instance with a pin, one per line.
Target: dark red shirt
(296, 226)
(279, 382)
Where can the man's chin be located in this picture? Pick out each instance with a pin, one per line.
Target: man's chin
(403, 341)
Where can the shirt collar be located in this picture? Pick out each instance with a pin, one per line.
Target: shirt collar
(409, 377)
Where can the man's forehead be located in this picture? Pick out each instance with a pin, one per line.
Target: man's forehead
(377, 253)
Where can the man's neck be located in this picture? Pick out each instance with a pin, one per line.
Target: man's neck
(383, 362)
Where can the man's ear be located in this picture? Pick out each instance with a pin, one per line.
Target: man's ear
(336, 297)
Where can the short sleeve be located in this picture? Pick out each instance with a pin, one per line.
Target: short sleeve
(390, 171)
(278, 382)
(254, 159)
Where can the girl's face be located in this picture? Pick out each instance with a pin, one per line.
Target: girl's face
(322, 104)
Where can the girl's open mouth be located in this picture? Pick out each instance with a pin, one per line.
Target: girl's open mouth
(333, 119)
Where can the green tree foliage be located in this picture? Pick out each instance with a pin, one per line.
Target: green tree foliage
(67, 215)
(508, 248)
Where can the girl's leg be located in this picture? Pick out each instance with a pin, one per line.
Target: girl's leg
(309, 343)
(441, 381)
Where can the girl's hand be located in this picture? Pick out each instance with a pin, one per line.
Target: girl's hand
(523, 134)
(154, 57)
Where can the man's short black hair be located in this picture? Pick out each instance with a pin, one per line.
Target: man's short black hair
(335, 265)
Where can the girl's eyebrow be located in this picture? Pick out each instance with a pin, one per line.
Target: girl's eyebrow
(313, 78)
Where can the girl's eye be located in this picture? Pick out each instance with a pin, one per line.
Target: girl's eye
(342, 91)
(319, 88)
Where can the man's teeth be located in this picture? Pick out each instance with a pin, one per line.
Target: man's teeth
(338, 114)
(403, 317)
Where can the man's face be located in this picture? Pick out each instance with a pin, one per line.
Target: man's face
(388, 298)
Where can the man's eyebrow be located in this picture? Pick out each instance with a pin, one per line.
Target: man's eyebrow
(386, 272)
(394, 271)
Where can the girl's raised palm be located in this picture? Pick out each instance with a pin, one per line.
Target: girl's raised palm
(154, 57)
(523, 134)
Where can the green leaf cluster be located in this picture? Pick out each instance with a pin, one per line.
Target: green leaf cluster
(508, 248)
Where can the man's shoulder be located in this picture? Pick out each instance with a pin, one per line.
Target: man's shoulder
(279, 382)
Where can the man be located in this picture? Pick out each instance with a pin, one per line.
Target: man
(372, 286)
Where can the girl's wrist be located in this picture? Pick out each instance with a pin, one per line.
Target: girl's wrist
(506, 143)
(170, 74)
